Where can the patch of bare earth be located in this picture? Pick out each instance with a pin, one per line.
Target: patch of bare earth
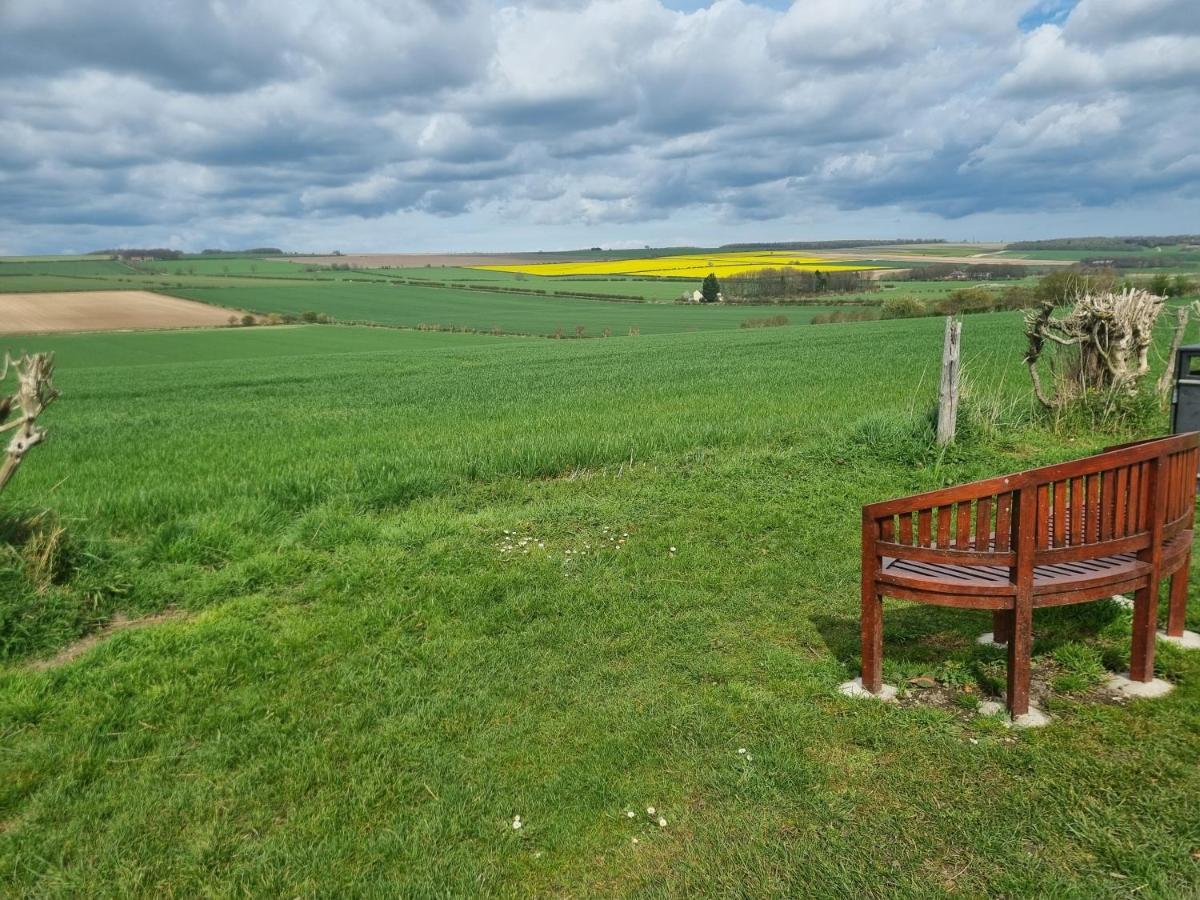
(851, 256)
(104, 311)
(119, 622)
(925, 690)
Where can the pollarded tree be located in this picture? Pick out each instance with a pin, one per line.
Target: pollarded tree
(1101, 346)
(35, 391)
(710, 290)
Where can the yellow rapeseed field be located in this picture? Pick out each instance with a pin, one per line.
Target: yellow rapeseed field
(691, 266)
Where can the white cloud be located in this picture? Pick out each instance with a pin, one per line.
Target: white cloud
(215, 120)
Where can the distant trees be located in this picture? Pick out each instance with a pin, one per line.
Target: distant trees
(1167, 286)
(1135, 242)
(1065, 285)
(250, 251)
(141, 253)
(710, 290)
(903, 308)
(783, 285)
(965, 272)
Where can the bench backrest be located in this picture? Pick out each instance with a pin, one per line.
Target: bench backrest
(1114, 502)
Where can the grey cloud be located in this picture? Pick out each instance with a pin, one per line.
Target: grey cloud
(195, 118)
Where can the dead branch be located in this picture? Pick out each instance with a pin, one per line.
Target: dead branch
(35, 391)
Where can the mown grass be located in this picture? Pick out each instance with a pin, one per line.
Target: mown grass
(367, 685)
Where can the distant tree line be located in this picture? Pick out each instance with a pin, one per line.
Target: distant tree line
(1065, 285)
(791, 285)
(253, 251)
(147, 253)
(1059, 288)
(971, 271)
(1132, 242)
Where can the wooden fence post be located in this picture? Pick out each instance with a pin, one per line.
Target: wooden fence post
(948, 391)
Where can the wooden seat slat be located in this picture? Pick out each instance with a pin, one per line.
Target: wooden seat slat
(1003, 522)
(1108, 504)
(1061, 514)
(1078, 501)
(924, 535)
(1092, 520)
(983, 524)
(1122, 501)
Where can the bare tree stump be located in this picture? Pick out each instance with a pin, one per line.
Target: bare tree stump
(1101, 346)
(35, 391)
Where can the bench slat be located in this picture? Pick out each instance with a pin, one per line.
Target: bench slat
(1134, 519)
(1078, 507)
(1108, 504)
(1043, 516)
(983, 524)
(962, 530)
(1061, 514)
(1121, 501)
(1093, 509)
(1003, 521)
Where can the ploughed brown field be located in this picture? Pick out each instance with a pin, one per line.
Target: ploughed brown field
(103, 311)
(982, 259)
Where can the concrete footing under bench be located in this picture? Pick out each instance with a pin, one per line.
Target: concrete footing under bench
(887, 693)
(1035, 718)
(988, 639)
(1122, 684)
(1189, 640)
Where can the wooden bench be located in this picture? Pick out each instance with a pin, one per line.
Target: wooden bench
(1112, 523)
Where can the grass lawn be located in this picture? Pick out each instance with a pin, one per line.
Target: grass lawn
(425, 583)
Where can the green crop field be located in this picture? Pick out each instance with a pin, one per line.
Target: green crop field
(1171, 259)
(70, 267)
(241, 265)
(645, 288)
(415, 585)
(413, 305)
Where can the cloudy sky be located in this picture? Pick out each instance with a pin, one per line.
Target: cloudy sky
(526, 124)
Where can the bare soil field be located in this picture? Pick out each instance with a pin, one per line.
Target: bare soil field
(980, 259)
(103, 311)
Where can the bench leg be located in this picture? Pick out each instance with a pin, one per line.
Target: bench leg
(1002, 625)
(1020, 653)
(1145, 624)
(1177, 611)
(872, 640)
